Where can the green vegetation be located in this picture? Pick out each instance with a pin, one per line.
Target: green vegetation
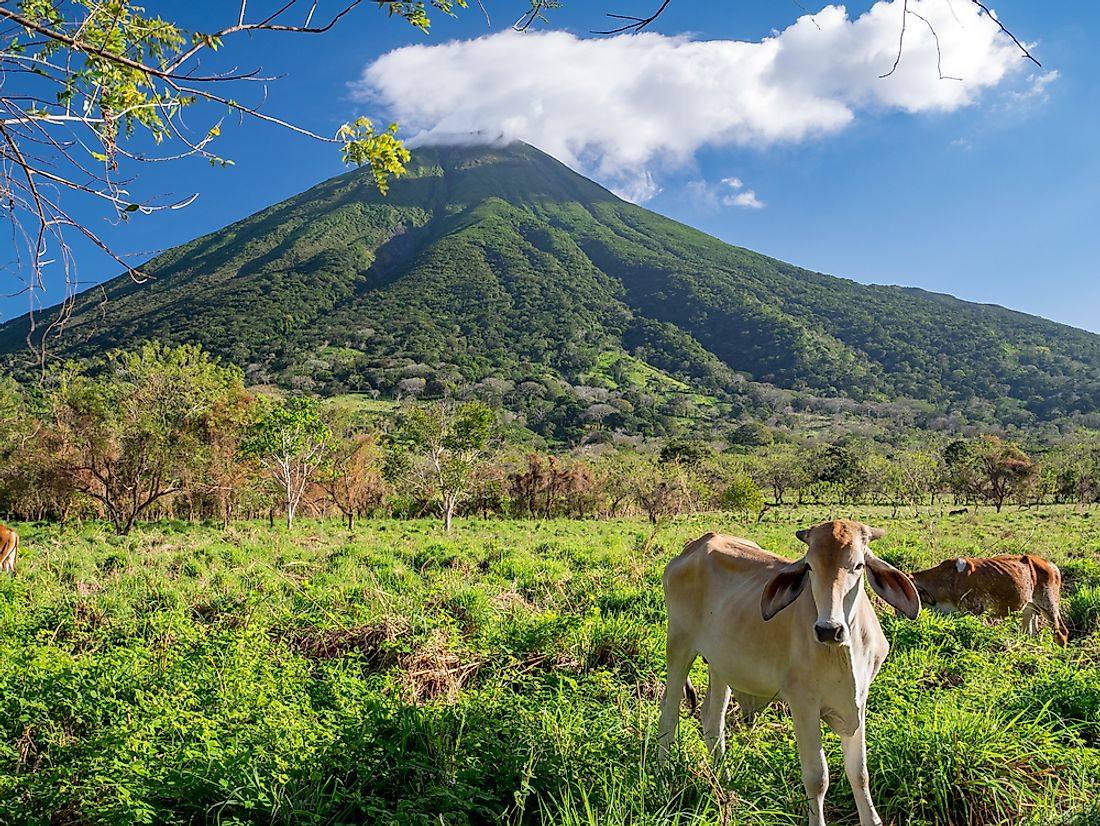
(507, 343)
(169, 432)
(506, 672)
(499, 269)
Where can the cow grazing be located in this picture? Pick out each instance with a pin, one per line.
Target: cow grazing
(998, 585)
(9, 547)
(745, 611)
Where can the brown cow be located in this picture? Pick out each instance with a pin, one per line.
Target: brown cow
(9, 546)
(999, 585)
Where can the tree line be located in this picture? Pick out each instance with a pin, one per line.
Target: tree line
(170, 432)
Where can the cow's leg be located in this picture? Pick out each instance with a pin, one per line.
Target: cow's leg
(679, 655)
(855, 766)
(1046, 600)
(1061, 632)
(1029, 622)
(815, 771)
(714, 716)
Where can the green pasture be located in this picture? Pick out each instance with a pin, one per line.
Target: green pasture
(507, 673)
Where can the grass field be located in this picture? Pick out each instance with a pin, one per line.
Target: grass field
(508, 673)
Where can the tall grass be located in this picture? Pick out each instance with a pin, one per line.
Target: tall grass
(508, 673)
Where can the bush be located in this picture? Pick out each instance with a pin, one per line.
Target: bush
(742, 496)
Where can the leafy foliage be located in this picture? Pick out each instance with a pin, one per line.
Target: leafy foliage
(443, 444)
(742, 496)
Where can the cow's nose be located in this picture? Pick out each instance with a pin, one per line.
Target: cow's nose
(829, 632)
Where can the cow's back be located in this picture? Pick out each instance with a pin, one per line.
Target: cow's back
(713, 590)
(714, 568)
(999, 584)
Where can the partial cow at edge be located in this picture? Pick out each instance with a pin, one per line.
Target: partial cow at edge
(765, 634)
(9, 548)
(998, 585)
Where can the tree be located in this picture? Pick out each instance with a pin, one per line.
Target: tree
(684, 452)
(782, 469)
(1006, 470)
(533, 483)
(291, 441)
(661, 489)
(915, 474)
(989, 468)
(752, 434)
(961, 467)
(443, 444)
(34, 482)
(222, 477)
(351, 473)
(128, 435)
(839, 468)
(742, 496)
(1075, 469)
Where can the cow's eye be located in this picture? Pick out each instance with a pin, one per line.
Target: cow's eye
(859, 566)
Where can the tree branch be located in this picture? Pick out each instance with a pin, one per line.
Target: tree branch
(637, 23)
(1020, 45)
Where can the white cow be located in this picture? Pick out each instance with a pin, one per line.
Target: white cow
(726, 599)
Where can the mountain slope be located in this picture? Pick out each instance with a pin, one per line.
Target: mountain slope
(500, 261)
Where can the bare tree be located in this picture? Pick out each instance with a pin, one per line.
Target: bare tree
(291, 441)
(442, 445)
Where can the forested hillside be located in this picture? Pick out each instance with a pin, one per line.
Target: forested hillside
(501, 264)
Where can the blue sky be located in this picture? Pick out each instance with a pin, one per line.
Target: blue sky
(986, 189)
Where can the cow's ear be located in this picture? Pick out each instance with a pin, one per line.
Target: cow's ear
(804, 535)
(874, 533)
(893, 586)
(783, 588)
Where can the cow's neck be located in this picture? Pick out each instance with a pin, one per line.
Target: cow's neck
(848, 669)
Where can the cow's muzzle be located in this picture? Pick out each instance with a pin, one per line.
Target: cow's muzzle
(830, 633)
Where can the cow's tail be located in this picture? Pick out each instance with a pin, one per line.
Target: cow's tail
(691, 696)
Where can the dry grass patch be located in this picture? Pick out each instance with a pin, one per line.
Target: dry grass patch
(374, 640)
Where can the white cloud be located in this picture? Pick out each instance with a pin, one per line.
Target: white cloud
(714, 196)
(625, 107)
(637, 188)
(745, 199)
(1035, 92)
